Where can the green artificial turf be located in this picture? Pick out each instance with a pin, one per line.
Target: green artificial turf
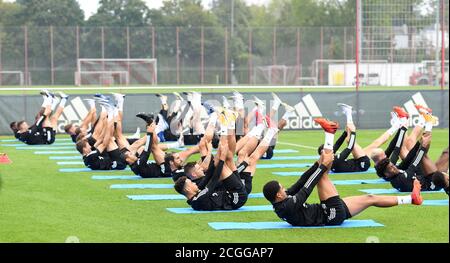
(40, 204)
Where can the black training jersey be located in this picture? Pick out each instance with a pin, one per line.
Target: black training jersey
(32, 137)
(409, 170)
(74, 137)
(169, 173)
(211, 200)
(97, 161)
(17, 135)
(403, 181)
(297, 214)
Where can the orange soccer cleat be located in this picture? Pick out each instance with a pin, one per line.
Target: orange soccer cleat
(327, 125)
(401, 113)
(415, 195)
(423, 110)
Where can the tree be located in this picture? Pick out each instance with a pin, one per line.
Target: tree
(50, 12)
(190, 17)
(120, 13)
(8, 11)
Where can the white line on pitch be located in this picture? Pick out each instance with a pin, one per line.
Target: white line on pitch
(297, 145)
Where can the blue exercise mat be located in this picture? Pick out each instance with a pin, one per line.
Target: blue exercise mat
(70, 163)
(141, 186)
(285, 151)
(370, 171)
(361, 181)
(283, 225)
(173, 197)
(119, 177)
(75, 157)
(156, 197)
(9, 140)
(189, 210)
(42, 145)
(283, 165)
(56, 148)
(78, 170)
(393, 191)
(286, 158)
(436, 202)
(56, 152)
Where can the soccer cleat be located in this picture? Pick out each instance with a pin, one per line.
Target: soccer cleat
(415, 195)
(209, 108)
(178, 96)
(163, 98)
(45, 92)
(258, 102)
(327, 125)
(89, 100)
(148, 118)
(225, 103)
(197, 97)
(288, 107)
(423, 109)
(236, 95)
(401, 113)
(223, 119)
(431, 119)
(62, 95)
(345, 108)
(101, 98)
(118, 96)
(426, 114)
(189, 96)
(231, 115)
(107, 104)
(275, 97)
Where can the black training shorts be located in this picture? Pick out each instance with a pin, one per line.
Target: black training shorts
(336, 211)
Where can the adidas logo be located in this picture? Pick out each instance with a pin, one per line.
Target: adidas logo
(412, 111)
(306, 111)
(74, 112)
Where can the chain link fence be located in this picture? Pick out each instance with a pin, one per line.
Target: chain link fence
(394, 51)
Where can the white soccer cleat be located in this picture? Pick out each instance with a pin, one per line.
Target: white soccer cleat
(118, 96)
(288, 107)
(237, 96)
(189, 96)
(276, 98)
(225, 103)
(258, 102)
(62, 95)
(346, 109)
(178, 96)
(197, 98)
(45, 92)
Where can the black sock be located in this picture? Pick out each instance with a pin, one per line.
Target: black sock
(242, 166)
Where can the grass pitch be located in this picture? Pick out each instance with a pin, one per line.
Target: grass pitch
(40, 204)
